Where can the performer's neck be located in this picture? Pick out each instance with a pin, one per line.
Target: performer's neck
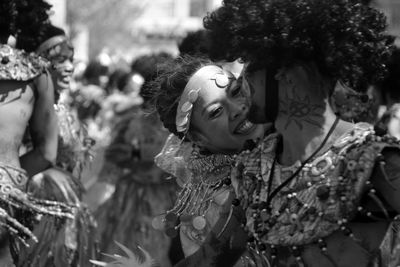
(302, 136)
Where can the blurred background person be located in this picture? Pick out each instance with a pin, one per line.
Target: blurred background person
(390, 121)
(131, 190)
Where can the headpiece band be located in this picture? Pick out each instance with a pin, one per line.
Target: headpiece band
(53, 41)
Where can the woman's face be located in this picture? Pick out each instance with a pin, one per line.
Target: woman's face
(219, 116)
(61, 57)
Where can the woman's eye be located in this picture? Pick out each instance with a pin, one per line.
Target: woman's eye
(215, 113)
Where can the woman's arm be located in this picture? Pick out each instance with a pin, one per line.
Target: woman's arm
(43, 128)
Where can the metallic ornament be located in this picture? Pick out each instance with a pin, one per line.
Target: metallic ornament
(199, 222)
(193, 95)
(186, 107)
(158, 222)
(183, 122)
(221, 80)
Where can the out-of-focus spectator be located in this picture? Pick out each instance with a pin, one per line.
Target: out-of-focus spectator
(88, 98)
(131, 190)
(390, 121)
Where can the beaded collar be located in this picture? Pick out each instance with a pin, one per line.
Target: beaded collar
(210, 184)
(322, 199)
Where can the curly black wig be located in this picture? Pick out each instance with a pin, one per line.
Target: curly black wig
(8, 15)
(345, 38)
(31, 23)
(195, 43)
(169, 86)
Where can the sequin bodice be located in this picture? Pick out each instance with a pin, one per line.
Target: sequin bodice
(321, 199)
(74, 144)
(16, 65)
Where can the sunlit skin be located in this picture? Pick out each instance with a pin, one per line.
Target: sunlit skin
(219, 113)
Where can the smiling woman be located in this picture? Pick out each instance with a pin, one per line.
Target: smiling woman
(205, 109)
(200, 102)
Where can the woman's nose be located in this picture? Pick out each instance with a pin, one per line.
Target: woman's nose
(69, 66)
(237, 110)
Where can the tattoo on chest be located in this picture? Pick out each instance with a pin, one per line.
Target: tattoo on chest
(299, 110)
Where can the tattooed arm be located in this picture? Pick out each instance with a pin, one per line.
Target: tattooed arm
(43, 128)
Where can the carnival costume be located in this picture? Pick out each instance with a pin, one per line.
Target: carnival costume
(141, 190)
(289, 208)
(20, 210)
(72, 243)
(206, 193)
(69, 243)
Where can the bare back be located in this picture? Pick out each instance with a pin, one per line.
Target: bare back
(16, 106)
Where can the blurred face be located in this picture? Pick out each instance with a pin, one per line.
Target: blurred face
(61, 57)
(219, 117)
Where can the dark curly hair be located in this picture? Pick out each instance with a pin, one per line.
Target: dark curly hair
(195, 43)
(345, 38)
(31, 23)
(169, 86)
(148, 66)
(8, 15)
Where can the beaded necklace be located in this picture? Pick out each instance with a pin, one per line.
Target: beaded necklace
(270, 194)
(209, 183)
(324, 199)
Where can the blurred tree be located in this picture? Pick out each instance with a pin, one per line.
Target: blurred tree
(109, 21)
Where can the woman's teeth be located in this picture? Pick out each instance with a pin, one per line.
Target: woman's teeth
(244, 127)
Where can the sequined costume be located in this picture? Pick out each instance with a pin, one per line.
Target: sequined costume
(70, 243)
(206, 193)
(20, 210)
(141, 189)
(288, 224)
